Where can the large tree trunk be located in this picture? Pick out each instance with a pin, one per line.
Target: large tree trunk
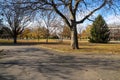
(15, 39)
(47, 40)
(47, 36)
(74, 38)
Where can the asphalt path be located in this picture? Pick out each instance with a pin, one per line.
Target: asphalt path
(26, 62)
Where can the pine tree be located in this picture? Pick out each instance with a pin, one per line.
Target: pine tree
(99, 31)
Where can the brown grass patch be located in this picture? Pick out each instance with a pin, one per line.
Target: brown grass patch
(85, 47)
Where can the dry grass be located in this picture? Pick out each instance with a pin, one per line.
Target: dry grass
(5, 41)
(85, 47)
(24, 42)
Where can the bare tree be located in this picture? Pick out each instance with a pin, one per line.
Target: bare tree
(50, 20)
(74, 7)
(16, 16)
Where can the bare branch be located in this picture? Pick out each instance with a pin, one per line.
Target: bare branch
(76, 6)
(102, 5)
(57, 11)
(71, 9)
(90, 19)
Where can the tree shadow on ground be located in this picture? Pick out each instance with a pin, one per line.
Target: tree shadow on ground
(7, 77)
(61, 66)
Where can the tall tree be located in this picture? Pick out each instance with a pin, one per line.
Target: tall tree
(66, 32)
(85, 34)
(41, 32)
(0, 22)
(99, 31)
(49, 20)
(1, 27)
(25, 34)
(69, 9)
(16, 16)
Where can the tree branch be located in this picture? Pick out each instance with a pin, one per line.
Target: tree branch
(103, 4)
(57, 11)
(76, 6)
(71, 9)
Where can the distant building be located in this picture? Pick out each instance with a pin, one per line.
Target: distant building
(115, 33)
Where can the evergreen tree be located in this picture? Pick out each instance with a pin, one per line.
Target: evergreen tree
(99, 31)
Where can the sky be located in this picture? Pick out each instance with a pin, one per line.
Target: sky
(112, 19)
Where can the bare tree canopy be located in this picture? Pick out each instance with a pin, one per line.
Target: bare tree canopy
(16, 16)
(51, 21)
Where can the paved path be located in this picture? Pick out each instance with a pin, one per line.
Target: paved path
(32, 63)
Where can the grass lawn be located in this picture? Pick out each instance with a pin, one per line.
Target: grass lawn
(85, 47)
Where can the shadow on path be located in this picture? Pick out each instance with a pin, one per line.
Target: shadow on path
(54, 65)
(6, 77)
